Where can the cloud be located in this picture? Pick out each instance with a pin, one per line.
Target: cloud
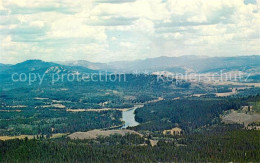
(114, 1)
(154, 10)
(250, 2)
(127, 44)
(108, 30)
(73, 27)
(111, 21)
(7, 20)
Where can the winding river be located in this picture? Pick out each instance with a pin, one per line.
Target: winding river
(129, 117)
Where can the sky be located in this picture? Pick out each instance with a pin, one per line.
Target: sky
(114, 30)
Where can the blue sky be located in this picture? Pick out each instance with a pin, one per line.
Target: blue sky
(112, 30)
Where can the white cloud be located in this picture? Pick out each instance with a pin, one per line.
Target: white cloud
(37, 23)
(74, 27)
(144, 25)
(154, 9)
(113, 38)
(6, 42)
(1, 5)
(127, 44)
(129, 29)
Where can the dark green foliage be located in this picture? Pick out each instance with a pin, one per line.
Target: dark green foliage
(211, 146)
(41, 121)
(187, 113)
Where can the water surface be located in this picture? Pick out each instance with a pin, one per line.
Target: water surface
(129, 117)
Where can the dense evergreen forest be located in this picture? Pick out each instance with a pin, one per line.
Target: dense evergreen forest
(228, 144)
(48, 122)
(188, 114)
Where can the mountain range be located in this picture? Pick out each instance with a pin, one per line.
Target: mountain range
(39, 66)
(176, 64)
(171, 64)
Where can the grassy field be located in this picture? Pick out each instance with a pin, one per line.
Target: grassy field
(58, 135)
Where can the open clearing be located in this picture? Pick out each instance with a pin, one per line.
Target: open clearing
(241, 118)
(93, 134)
(58, 135)
(103, 109)
(16, 137)
(156, 100)
(10, 110)
(54, 106)
(233, 83)
(233, 92)
(96, 110)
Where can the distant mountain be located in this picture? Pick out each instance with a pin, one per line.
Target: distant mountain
(189, 63)
(176, 64)
(39, 66)
(181, 64)
(87, 64)
(3, 67)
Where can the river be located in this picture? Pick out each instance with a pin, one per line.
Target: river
(129, 117)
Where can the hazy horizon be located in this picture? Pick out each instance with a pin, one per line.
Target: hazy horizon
(128, 60)
(116, 30)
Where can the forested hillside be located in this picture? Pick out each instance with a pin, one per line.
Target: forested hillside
(188, 114)
(216, 145)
